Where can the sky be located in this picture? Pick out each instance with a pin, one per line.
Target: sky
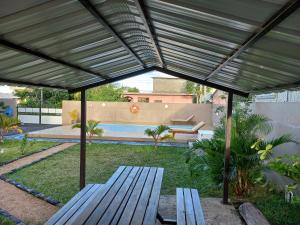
(142, 82)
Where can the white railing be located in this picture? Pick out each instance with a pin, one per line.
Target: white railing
(31, 115)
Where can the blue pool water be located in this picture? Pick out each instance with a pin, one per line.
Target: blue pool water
(135, 127)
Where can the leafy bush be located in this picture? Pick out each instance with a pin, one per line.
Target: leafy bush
(8, 124)
(248, 131)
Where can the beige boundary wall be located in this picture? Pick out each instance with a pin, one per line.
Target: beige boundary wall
(285, 117)
(149, 113)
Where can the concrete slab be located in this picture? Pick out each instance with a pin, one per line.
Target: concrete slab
(215, 213)
(66, 132)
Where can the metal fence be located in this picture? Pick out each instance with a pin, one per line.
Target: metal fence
(286, 96)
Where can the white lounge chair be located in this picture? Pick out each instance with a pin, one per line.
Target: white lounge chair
(194, 130)
(189, 119)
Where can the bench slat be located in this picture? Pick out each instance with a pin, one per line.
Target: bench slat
(197, 208)
(180, 207)
(114, 211)
(60, 213)
(154, 198)
(87, 208)
(78, 204)
(189, 210)
(131, 205)
(141, 207)
(95, 216)
(110, 204)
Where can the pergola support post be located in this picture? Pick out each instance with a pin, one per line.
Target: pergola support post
(83, 140)
(227, 148)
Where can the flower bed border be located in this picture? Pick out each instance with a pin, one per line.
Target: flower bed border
(33, 192)
(10, 217)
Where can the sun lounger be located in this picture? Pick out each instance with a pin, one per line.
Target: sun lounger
(194, 130)
(183, 120)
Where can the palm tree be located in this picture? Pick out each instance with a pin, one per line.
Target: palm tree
(91, 128)
(248, 131)
(157, 136)
(8, 124)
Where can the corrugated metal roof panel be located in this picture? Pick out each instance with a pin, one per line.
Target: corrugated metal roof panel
(86, 42)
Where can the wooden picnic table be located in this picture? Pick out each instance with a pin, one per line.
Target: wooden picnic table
(130, 196)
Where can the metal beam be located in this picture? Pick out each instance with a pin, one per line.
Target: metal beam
(90, 7)
(41, 55)
(278, 17)
(149, 28)
(111, 80)
(200, 81)
(163, 70)
(227, 148)
(25, 83)
(82, 140)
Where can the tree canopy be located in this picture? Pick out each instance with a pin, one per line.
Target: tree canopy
(198, 90)
(52, 98)
(107, 93)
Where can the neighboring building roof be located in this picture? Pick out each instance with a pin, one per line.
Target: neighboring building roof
(160, 94)
(238, 46)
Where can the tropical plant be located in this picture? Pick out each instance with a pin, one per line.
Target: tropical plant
(158, 134)
(74, 116)
(288, 166)
(248, 131)
(8, 124)
(92, 128)
(24, 144)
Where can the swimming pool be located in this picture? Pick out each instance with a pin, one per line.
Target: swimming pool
(134, 127)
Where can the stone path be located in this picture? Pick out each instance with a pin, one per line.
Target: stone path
(34, 157)
(20, 204)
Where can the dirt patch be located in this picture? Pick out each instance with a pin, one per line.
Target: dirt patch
(27, 208)
(215, 213)
(20, 204)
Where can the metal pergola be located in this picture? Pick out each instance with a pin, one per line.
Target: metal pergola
(240, 47)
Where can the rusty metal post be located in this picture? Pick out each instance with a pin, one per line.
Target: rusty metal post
(83, 140)
(227, 148)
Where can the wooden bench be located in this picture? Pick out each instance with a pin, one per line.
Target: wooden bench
(189, 210)
(69, 209)
(130, 196)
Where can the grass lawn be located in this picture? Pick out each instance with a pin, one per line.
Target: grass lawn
(4, 221)
(276, 210)
(58, 176)
(10, 149)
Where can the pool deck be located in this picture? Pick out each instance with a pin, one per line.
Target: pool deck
(66, 132)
